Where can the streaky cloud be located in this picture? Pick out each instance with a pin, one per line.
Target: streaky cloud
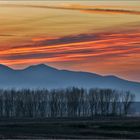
(88, 9)
(5, 35)
(83, 46)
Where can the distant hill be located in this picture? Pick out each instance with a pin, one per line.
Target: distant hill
(43, 76)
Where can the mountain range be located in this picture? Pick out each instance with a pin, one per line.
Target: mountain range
(44, 76)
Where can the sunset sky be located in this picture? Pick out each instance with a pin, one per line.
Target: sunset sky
(96, 36)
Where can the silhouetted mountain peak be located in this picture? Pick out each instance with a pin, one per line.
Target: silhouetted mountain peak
(4, 67)
(40, 67)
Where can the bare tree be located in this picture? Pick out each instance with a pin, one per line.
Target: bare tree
(70, 102)
(127, 100)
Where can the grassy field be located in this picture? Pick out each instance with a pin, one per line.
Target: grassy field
(74, 128)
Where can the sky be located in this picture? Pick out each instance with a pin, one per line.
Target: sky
(95, 36)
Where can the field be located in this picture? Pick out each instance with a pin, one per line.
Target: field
(74, 128)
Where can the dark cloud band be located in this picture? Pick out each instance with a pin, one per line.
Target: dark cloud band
(79, 8)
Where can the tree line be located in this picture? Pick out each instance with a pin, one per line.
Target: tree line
(69, 102)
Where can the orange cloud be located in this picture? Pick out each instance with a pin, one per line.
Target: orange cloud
(101, 52)
(43, 38)
(100, 45)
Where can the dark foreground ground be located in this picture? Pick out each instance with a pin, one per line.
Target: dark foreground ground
(72, 128)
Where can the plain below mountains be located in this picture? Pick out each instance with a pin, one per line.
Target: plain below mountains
(43, 76)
